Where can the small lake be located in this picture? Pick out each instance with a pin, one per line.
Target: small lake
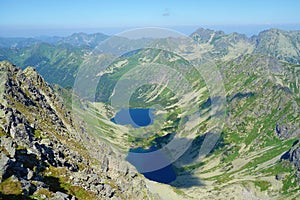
(164, 175)
(140, 117)
(136, 117)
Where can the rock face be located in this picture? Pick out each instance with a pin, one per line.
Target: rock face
(293, 156)
(281, 44)
(221, 44)
(47, 154)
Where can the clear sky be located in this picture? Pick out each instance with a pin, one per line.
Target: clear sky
(35, 16)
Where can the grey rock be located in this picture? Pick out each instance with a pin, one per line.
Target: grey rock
(295, 157)
(108, 190)
(105, 164)
(4, 162)
(8, 145)
(99, 187)
(94, 189)
(27, 187)
(93, 178)
(279, 177)
(30, 174)
(40, 184)
(286, 131)
(61, 196)
(46, 142)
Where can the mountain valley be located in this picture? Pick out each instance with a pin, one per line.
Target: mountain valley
(229, 104)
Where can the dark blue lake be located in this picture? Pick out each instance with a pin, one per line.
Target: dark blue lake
(164, 175)
(137, 117)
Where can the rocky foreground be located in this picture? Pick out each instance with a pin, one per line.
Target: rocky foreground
(46, 153)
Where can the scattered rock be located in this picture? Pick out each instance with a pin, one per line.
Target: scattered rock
(4, 163)
(61, 196)
(280, 177)
(29, 174)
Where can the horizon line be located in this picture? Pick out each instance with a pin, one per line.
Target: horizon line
(30, 32)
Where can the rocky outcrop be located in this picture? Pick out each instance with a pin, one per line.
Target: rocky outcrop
(293, 156)
(287, 131)
(281, 44)
(50, 154)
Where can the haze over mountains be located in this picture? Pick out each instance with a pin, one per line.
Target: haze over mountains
(57, 144)
(59, 55)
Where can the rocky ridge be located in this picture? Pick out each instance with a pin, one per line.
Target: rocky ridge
(47, 154)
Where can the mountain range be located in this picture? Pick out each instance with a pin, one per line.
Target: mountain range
(55, 144)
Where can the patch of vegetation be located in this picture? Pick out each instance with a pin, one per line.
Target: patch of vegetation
(279, 167)
(66, 94)
(58, 181)
(2, 149)
(79, 192)
(263, 185)
(39, 194)
(20, 148)
(2, 132)
(177, 191)
(11, 187)
(54, 184)
(192, 167)
(290, 184)
(37, 134)
(268, 155)
(231, 154)
(223, 178)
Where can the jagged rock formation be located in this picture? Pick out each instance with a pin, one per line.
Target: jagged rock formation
(280, 44)
(57, 59)
(43, 154)
(293, 156)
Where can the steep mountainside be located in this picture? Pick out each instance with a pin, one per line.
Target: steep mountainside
(257, 154)
(221, 45)
(280, 44)
(58, 64)
(284, 45)
(47, 153)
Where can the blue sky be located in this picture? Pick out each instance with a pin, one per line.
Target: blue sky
(42, 16)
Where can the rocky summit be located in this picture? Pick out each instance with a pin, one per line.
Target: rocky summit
(42, 155)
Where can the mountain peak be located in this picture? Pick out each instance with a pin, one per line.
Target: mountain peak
(30, 71)
(206, 34)
(6, 66)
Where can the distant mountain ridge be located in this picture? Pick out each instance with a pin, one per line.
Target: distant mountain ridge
(76, 39)
(283, 45)
(58, 58)
(280, 44)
